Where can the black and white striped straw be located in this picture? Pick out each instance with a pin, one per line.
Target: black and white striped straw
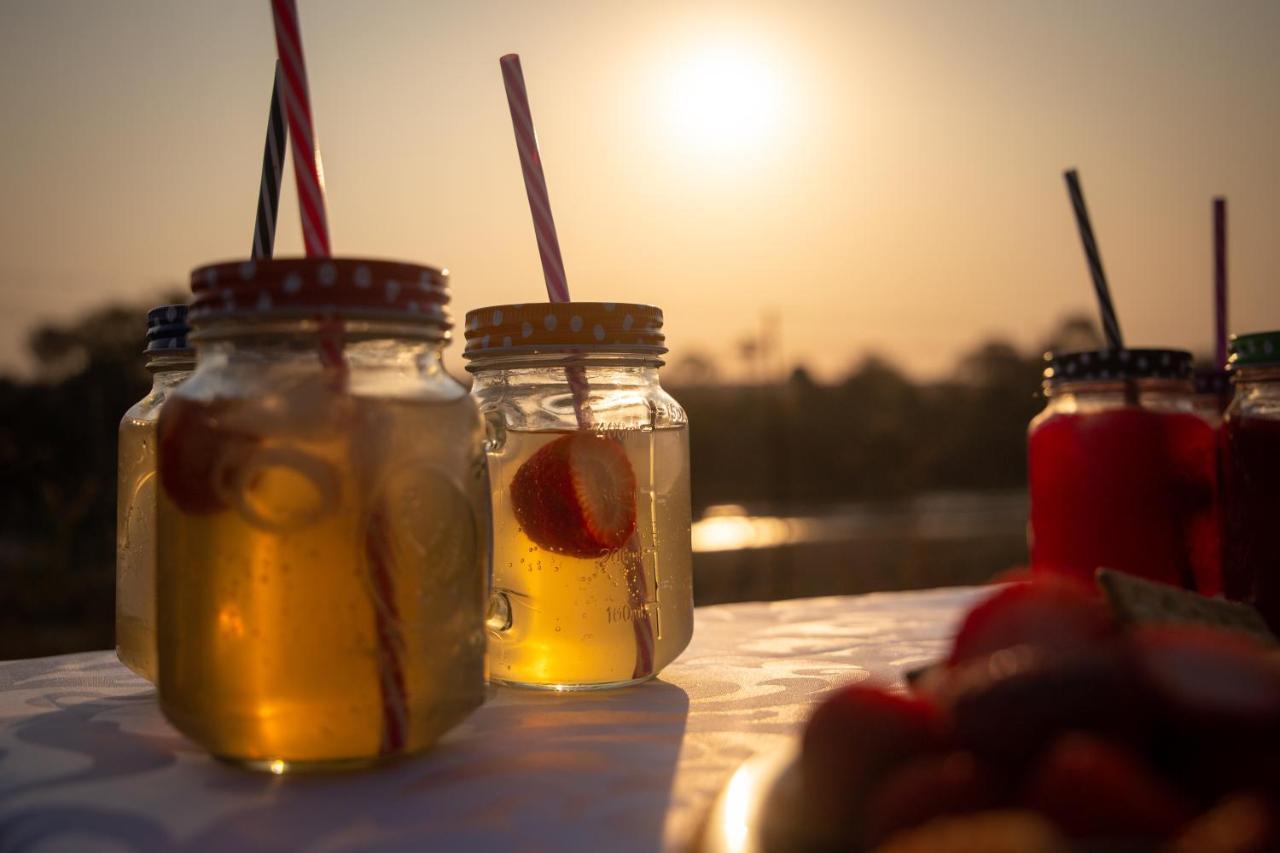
(1110, 323)
(264, 230)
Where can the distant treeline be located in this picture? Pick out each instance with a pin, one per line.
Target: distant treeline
(874, 435)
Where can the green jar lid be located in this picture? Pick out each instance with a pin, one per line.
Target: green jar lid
(1253, 349)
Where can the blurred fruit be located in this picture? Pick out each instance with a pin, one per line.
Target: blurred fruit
(199, 453)
(927, 788)
(854, 738)
(1241, 824)
(1051, 614)
(1220, 730)
(1009, 706)
(1091, 788)
(981, 832)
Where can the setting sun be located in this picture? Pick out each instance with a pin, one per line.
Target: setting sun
(723, 100)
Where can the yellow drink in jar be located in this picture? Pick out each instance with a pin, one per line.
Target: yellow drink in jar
(321, 581)
(565, 619)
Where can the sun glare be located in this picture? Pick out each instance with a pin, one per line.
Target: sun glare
(723, 100)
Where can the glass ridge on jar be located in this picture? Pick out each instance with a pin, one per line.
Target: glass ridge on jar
(589, 471)
(1122, 471)
(170, 361)
(1251, 476)
(324, 510)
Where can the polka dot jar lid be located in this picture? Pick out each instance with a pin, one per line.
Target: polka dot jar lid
(167, 328)
(1110, 364)
(544, 327)
(1258, 348)
(354, 288)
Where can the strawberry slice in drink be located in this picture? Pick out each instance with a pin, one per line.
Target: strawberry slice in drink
(576, 495)
(199, 453)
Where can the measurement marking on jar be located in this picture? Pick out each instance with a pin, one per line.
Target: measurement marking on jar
(626, 613)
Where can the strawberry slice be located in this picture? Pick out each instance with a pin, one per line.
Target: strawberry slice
(1048, 614)
(199, 453)
(576, 495)
(1092, 788)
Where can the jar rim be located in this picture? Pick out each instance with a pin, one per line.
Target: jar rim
(541, 358)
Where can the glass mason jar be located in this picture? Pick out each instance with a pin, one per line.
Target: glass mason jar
(1251, 476)
(170, 362)
(323, 515)
(589, 470)
(1212, 394)
(1122, 471)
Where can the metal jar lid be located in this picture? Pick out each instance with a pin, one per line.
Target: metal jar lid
(550, 327)
(349, 288)
(1254, 350)
(167, 328)
(1117, 364)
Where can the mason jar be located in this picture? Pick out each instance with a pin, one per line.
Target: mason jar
(323, 518)
(589, 473)
(1123, 471)
(1251, 476)
(1212, 393)
(170, 361)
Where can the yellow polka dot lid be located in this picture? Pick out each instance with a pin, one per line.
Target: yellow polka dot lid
(546, 327)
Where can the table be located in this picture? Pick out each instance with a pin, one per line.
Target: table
(87, 762)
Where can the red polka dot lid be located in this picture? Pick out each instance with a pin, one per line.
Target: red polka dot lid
(307, 287)
(538, 327)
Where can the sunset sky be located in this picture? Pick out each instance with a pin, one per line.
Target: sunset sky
(884, 176)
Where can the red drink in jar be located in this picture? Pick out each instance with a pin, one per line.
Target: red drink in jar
(1123, 472)
(1251, 476)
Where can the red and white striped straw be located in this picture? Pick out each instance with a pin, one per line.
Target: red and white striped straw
(309, 176)
(544, 227)
(297, 107)
(535, 183)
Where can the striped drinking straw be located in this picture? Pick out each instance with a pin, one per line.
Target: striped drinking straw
(1110, 323)
(544, 228)
(315, 233)
(264, 229)
(307, 170)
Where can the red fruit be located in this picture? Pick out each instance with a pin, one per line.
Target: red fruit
(1047, 614)
(1008, 707)
(927, 788)
(1091, 788)
(1221, 695)
(576, 495)
(199, 453)
(853, 739)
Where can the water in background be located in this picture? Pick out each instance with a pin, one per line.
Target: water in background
(938, 539)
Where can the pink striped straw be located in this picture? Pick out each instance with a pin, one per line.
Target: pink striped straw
(535, 183)
(309, 176)
(307, 170)
(544, 227)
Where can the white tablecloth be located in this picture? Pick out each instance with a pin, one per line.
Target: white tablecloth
(87, 762)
